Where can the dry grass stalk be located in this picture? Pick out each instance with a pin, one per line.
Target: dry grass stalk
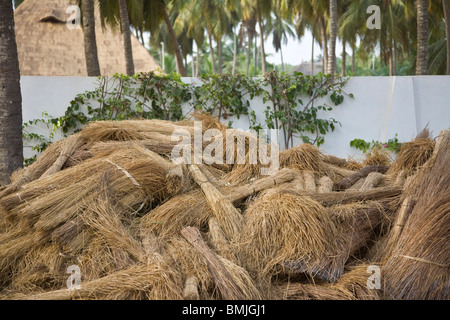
(237, 193)
(400, 178)
(219, 241)
(301, 291)
(35, 170)
(190, 291)
(225, 282)
(353, 165)
(152, 282)
(349, 196)
(377, 156)
(418, 266)
(189, 262)
(310, 184)
(371, 181)
(325, 185)
(228, 217)
(177, 179)
(70, 145)
(302, 157)
(334, 160)
(355, 282)
(289, 233)
(412, 155)
(352, 179)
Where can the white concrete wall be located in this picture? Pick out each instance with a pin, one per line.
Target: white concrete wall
(383, 106)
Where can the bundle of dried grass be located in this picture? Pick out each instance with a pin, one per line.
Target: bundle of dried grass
(192, 209)
(228, 217)
(352, 179)
(35, 170)
(412, 155)
(418, 266)
(289, 233)
(140, 282)
(301, 291)
(302, 157)
(189, 262)
(70, 145)
(355, 282)
(377, 156)
(232, 281)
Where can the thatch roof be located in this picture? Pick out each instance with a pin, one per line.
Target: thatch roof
(47, 47)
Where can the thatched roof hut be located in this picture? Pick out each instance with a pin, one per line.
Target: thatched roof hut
(47, 47)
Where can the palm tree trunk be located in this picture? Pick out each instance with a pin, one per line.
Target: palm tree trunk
(282, 61)
(211, 53)
(197, 66)
(323, 34)
(90, 42)
(261, 39)
(233, 71)
(219, 55)
(141, 32)
(126, 33)
(11, 145)
(250, 40)
(447, 31)
(353, 58)
(333, 35)
(173, 38)
(344, 55)
(256, 57)
(422, 37)
(312, 56)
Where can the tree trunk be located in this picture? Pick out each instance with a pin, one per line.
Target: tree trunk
(197, 67)
(233, 71)
(256, 56)
(353, 58)
(173, 38)
(447, 31)
(250, 40)
(344, 55)
(261, 39)
(11, 145)
(90, 42)
(333, 35)
(219, 55)
(282, 61)
(312, 56)
(323, 34)
(422, 37)
(211, 53)
(126, 33)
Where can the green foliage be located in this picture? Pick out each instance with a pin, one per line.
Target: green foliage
(297, 104)
(294, 102)
(225, 95)
(392, 145)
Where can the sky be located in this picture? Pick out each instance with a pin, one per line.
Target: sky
(296, 50)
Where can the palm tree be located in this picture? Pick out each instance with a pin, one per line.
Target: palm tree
(333, 35)
(11, 145)
(422, 37)
(90, 42)
(447, 31)
(179, 58)
(280, 29)
(126, 34)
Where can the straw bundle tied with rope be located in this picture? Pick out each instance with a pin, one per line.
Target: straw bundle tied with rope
(110, 201)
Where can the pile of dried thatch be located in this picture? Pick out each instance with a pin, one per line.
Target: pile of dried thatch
(110, 201)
